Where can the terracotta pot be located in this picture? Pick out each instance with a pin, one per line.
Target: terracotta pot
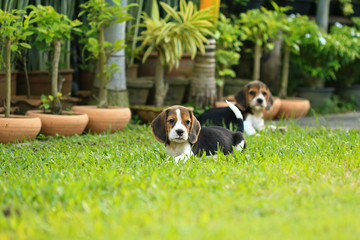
(40, 82)
(66, 124)
(148, 113)
(273, 111)
(147, 69)
(293, 108)
(86, 79)
(220, 104)
(3, 84)
(132, 71)
(105, 119)
(18, 128)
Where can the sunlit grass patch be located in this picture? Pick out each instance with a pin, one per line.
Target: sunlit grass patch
(296, 185)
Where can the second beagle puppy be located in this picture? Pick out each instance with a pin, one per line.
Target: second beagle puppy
(183, 136)
(252, 99)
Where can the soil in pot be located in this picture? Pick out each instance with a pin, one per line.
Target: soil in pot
(105, 119)
(18, 128)
(293, 108)
(67, 124)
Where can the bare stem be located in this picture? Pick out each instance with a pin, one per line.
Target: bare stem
(102, 62)
(8, 76)
(54, 76)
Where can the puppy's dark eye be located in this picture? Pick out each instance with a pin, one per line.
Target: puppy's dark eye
(187, 122)
(264, 93)
(252, 93)
(171, 121)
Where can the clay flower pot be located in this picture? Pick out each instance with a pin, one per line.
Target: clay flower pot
(272, 112)
(148, 113)
(18, 128)
(105, 119)
(293, 108)
(67, 124)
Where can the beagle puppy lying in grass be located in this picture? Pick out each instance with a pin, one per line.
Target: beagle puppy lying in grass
(183, 135)
(252, 99)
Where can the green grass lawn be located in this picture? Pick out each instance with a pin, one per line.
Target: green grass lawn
(303, 184)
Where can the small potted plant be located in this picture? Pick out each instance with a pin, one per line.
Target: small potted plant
(13, 33)
(51, 29)
(100, 15)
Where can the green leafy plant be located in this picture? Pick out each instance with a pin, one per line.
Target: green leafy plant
(321, 55)
(179, 31)
(101, 15)
(13, 33)
(51, 30)
(47, 102)
(349, 40)
(228, 47)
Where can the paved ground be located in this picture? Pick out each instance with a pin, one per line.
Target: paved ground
(350, 120)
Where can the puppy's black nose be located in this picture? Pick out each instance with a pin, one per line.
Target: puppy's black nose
(259, 100)
(179, 132)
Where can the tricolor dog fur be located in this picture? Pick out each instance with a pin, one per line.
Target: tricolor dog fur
(183, 135)
(252, 99)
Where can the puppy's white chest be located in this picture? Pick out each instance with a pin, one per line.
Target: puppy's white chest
(253, 123)
(180, 151)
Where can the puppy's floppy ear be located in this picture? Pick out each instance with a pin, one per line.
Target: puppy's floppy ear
(158, 127)
(195, 129)
(270, 102)
(241, 98)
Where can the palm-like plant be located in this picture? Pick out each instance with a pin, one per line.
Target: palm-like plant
(180, 31)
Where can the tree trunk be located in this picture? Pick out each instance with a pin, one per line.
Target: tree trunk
(160, 87)
(257, 61)
(322, 14)
(103, 79)
(203, 83)
(56, 109)
(8, 76)
(285, 72)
